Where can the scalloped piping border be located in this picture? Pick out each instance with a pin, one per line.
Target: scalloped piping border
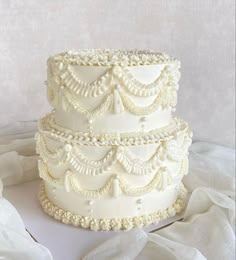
(48, 127)
(102, 224)
(116, 154)
(71, 180)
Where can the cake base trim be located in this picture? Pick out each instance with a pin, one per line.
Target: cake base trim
(103, 224)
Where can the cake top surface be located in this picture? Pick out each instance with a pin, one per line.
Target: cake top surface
(113, 57)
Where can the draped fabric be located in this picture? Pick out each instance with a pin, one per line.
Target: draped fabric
(18, 163)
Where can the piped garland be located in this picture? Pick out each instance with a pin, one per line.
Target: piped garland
(160, 101)
(80, 88)
(168, 76)
(173, 149)
(160, 181)
(64, 83)
(48, 127)
(96, 224)
(76, 160)
(64, 76)
(69, 101)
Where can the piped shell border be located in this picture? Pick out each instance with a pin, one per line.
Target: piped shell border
(102, 224)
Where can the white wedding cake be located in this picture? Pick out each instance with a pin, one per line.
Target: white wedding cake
(112, 157)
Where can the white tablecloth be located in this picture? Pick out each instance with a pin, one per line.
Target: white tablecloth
(207, 231)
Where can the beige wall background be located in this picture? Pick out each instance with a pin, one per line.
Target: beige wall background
(198, 32)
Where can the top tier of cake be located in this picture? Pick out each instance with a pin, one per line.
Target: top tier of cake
(112, 90)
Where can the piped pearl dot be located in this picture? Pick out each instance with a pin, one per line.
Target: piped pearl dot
(54, 189)
(68, 147)
(62, 87)
(94, 139)
(68, 171)
(90, 202)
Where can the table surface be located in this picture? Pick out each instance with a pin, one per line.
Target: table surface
(64, 241)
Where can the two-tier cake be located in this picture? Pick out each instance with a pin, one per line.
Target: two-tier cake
(111, 155)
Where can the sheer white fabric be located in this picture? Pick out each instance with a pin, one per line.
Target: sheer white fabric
(15, 242)
(18, 159)
(18, 163)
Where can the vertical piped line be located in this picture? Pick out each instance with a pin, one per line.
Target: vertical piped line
(116, 186)
(67, 180)
(118, 105)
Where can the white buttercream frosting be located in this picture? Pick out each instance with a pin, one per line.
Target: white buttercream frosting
(89, 96)
(111, 155)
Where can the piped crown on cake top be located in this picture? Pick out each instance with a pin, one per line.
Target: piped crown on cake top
(113, 57)
(96, 85)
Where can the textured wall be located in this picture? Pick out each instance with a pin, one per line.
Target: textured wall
(198, 32)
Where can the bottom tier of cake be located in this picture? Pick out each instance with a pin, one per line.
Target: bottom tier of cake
(103, 214)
